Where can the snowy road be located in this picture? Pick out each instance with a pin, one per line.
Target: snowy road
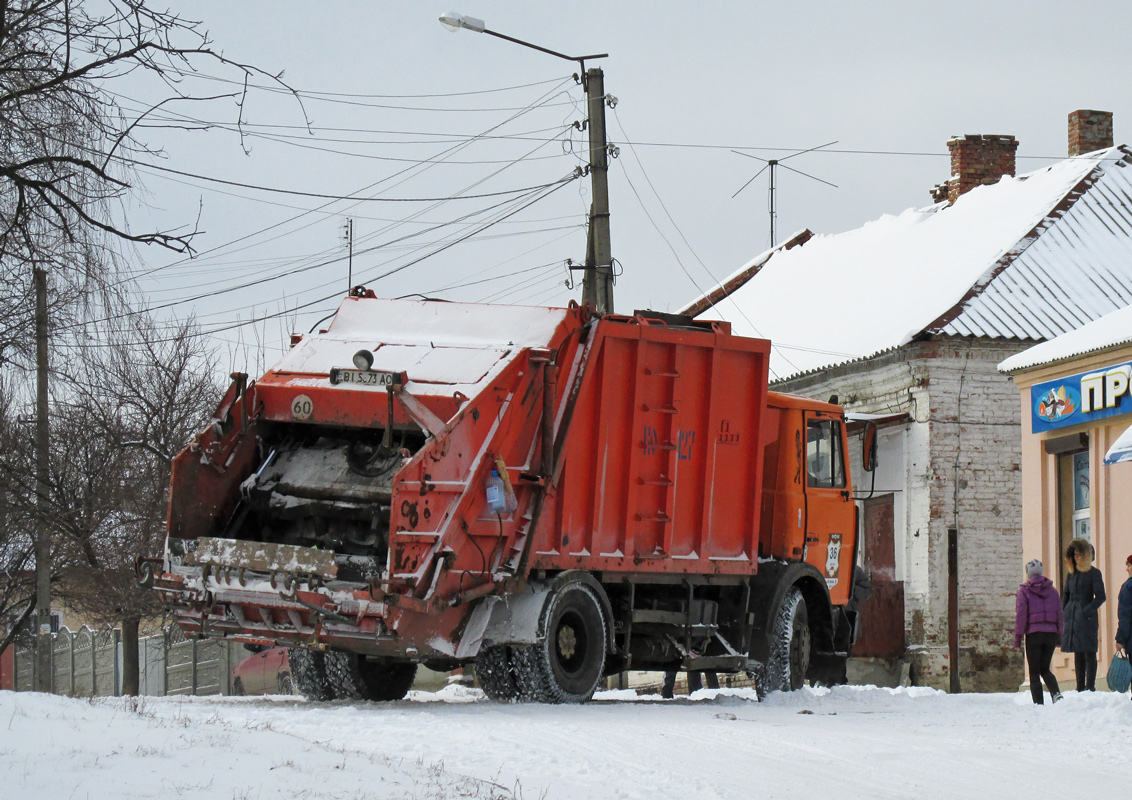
(851, 742)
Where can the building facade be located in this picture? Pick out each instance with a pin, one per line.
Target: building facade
(1074, 406)
(906, 320)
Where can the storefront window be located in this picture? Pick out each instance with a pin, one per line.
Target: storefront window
(1073, 500)
(1081, 496)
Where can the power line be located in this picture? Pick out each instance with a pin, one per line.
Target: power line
(320, 196)
(402, 174)
(545, 192)
(314, 93)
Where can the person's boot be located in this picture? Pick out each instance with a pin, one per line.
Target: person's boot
(1056, 696)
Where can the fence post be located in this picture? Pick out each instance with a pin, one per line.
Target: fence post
(165, 662)
(116, 642)
(225, 661)
(93, 663)
(194, 670)
(71, 659)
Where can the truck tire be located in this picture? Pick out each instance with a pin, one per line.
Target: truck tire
(308, 672)
(354, 677)
(496, 674)
(568, 660)
(790, 647)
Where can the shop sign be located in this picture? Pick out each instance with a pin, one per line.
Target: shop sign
(1081, 398)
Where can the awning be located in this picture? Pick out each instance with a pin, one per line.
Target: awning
(1121, 449)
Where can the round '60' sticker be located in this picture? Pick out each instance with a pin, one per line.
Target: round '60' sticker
(301, 407)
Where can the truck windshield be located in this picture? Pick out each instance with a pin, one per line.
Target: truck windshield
(824, 459)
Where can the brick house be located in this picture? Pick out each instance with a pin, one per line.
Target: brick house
(905, 320)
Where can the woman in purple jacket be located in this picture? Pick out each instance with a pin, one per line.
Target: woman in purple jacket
(1038, 617)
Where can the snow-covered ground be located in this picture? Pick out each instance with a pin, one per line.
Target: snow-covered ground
(849, 742)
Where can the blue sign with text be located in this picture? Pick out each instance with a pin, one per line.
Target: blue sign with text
(1081, 398)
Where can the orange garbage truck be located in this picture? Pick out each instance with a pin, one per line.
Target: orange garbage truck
(549, 495)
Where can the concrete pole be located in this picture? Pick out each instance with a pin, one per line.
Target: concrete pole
(42, 530)
(597, 285)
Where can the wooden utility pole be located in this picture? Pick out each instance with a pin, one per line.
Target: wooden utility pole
(43, 639)
(597, 284)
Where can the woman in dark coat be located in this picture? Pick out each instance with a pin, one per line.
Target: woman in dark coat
(1124, 614)
(1083, 595)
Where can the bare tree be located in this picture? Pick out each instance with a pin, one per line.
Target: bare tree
(17, 589)
(69, 148)
(139, 406)
(67, 158)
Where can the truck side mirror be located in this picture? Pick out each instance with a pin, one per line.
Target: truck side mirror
(869, 447)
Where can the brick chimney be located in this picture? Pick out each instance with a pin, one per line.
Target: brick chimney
(1089, 131)
(976, 161)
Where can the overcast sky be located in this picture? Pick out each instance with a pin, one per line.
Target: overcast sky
(890, 82)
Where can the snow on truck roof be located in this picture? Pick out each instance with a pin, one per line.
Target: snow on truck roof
(442, 346)
(1026, 258)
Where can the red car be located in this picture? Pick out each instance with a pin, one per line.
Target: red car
(266, 671)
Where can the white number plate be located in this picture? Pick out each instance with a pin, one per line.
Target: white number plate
(359, 377)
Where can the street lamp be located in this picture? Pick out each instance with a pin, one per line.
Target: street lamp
(597, 283)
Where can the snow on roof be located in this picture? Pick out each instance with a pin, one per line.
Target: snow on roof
(442, 346)
(1111, 330)
(852, 295)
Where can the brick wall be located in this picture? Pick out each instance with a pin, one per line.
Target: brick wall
(1089, 131)
(978, 160)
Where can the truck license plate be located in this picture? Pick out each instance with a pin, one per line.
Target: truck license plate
(357, 377)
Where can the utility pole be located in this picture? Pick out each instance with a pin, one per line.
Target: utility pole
(597, 283)
(43, 643)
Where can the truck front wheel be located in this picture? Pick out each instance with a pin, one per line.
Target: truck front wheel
(568, 660)
(790, 647)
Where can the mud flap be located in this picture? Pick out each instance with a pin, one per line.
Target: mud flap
(503, 620)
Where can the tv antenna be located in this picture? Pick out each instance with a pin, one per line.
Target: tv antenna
(348, 240)
(773, 164)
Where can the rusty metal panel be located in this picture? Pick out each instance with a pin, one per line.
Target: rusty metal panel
(882, 614)
(233, 554)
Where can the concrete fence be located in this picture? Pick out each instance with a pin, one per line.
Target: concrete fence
(88, 663)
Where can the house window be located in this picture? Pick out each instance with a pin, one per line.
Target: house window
(825, 462)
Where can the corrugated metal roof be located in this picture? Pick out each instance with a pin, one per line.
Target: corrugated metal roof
(1025, 259)
(1112, 330)
(1076, 269)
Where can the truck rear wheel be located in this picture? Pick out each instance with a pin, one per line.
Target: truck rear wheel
(354, 677)
(496, 673)
(567, 662)
(790, 647)
(308, 672)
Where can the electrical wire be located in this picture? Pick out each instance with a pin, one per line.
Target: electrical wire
(302, 306)
(403, 175)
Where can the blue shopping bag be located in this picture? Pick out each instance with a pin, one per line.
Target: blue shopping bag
(1119, 674)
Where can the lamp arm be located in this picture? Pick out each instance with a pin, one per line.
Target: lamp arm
(580, 59)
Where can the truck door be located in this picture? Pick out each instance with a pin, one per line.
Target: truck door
(831, 521)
